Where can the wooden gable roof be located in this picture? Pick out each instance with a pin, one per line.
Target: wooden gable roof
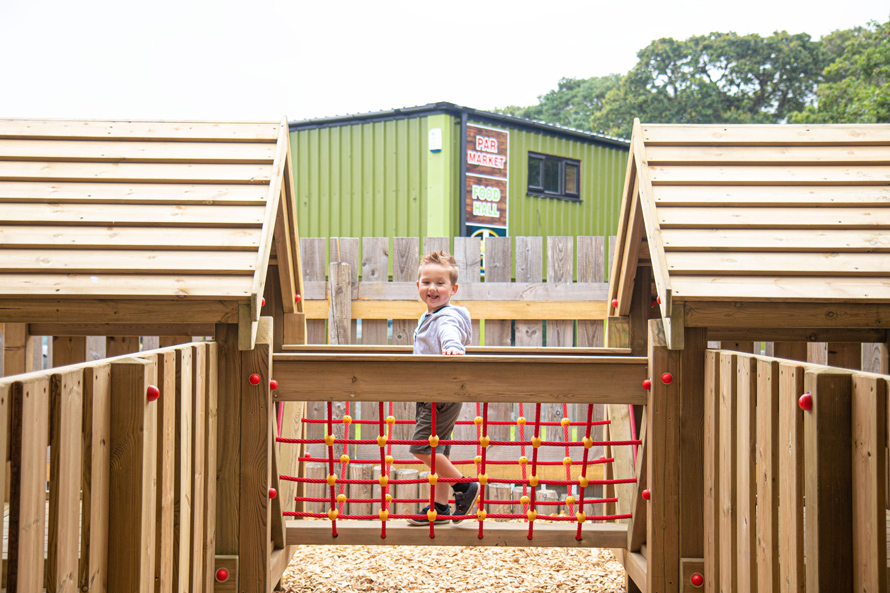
(758, 225)
(144, 222)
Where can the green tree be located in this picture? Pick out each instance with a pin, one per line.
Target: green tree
(716, 78)
(572, 103)
(857, 81)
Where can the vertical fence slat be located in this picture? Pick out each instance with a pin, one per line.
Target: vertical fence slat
(468, 253)
(591, 268)
(345, 250)
(746, 481)
(5, 403)
(199, 452)
(497, 263)
(132, 477)
(27, 502)
(375, 268)
(96, 461)
(792, 577)
(767, 460)
(712, 471)
(436, 244)
(727, 472)
(66, 408)
(829, 501)
(559, 271)
(312, 253)
(212, 383)
(182, 517)
(529, 268)
(166, 461)
(869, 484)
(404, 269)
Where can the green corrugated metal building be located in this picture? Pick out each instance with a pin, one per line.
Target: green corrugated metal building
(400, 173)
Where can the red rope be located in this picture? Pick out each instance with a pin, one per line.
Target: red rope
(455, 442)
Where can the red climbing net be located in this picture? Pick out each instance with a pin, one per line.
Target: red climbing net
(385, 423)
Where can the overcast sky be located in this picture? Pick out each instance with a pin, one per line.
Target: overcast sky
(267, 59)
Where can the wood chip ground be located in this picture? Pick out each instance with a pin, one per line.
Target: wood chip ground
(415, 569)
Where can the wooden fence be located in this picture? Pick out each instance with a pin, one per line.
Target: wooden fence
(794, 499)
(130, 481)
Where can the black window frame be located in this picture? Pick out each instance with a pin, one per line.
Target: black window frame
(562, 194)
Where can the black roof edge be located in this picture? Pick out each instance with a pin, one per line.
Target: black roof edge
(457, 110)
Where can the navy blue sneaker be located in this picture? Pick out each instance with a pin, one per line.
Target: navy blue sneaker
(464, 501)
(441, 516)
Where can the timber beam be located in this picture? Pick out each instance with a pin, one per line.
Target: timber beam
(798, 334)
(775, 315)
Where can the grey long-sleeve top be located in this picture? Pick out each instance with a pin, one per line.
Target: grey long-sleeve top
(449, 327)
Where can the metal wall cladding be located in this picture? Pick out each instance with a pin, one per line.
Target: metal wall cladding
(603, 168)
(361, 180)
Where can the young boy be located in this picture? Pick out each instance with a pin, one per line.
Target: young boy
(443, 329)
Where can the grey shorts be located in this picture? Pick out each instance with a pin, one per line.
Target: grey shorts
(446, 416)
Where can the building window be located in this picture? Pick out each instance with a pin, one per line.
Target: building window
(554, 177)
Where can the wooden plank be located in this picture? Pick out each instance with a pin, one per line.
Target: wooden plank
(120, 345)
(166, 435)
(688, 568)
(253, 174)
(800, 315)
(766, 155)
(29, 438)
(79, 310)
(746, 479)
(636, 566)
(210, 457)
(130, 193)
(475, 350)
(782, 195)
(39, 236)
(630, 257)
(560, 260)
(530, 268)
(869, 475)
(691, 386)
(493, 311)
(497, 262)
(140, 130)
(663, 451)
(787, 340)
(728, 474)
(132, 477)
(228, 474)
(313, 262)
(767, 476)
(781, 288)
(791, 479)
(125, 285)
(774, 218)
(827, 438)
(636, 535)
(468, 253)
(95, 481)
(139, 215)
(771, 240)
(182, 519)
(470, 291)
(375, 268)
(277, 526)
(404, 269)
(822, 175)
(199, 464)
(431, 244)
(590, 269)
(712, 473)
(779, 264)
(15, 348)
(6, 392)
(19, 261)
(340, 308)
(67, 349)
(66, 410)
(69, 345)
(623, 466)
(761, 135)
(256, 444)
(398, 532)
(136, 152)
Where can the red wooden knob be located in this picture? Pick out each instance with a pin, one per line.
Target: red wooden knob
(615, 303)
(667, 378)
(806, 402)
(222, 575)
(297, 298)
(254, 379)
(263, 302)
(658, 300)
(646, 494)
(697, 580)
(647, 384)
(273, 493)
(152, 393)
(273, 384)
(652, 304)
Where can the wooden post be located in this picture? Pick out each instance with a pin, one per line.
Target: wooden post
(16, 346)
(690, 385)
(663, 450)
(746, 481)
(829, 504)
(360, 472)
(210, 466)
(131, 524)
(69, 350)
(119, 345)
(375, 268)
(228, 442)
(199, 460)
(791, 479)
(182, 522)
(340, 315)
(727, 474)
(257, 421)
(712, 539)
(767, 462)
(344, 250)
(164, 511)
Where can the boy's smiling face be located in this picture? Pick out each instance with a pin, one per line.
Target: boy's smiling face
(435, 287)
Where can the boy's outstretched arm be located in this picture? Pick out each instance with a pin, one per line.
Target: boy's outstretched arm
(451, 336)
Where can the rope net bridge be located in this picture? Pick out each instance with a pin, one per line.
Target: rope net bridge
(529, 466)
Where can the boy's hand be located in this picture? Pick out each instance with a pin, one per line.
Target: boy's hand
(452, 352)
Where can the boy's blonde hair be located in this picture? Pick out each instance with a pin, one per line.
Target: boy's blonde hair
(440, 258)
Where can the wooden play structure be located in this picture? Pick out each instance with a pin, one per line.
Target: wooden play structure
(701, 462)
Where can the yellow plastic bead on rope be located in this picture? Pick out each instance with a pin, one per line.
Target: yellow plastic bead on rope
(332, 479)
(329, 440)
(477, 459)
(521, 421)
(570, 500)
(390, 420)
(341, 498)
(588, 442)
(431, 515)
(433, 478)
(533, 481)
(434, 441)
(381, 440)
(523, 460)
(483, 479)
(344, 459)
(536, 442)
(532, 515)
(567, 461)
(483, 441)
(347, 420)
(384, 515)
(332, 514)
(581, 517)
(383, 481)
(524, 500)
(583, 482)
(388, 459)
(477, 420)
(480, 515)
(565, 422)
(389, 498)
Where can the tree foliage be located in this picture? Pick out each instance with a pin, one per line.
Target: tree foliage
(572, 103)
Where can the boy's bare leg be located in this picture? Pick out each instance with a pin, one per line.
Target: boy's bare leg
(444, 469)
